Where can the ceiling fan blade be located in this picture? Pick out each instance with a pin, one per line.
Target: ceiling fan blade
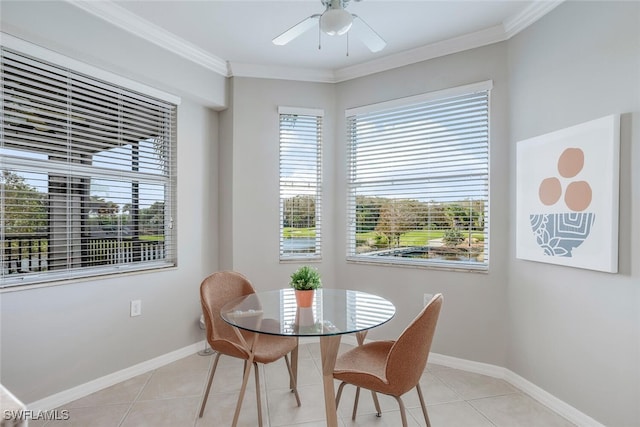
(369, 37)
(297, 30)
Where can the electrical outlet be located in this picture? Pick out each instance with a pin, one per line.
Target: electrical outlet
(426, 298)
(136, 307)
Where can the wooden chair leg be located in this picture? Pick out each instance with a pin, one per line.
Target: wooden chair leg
(293, 381)
(339, 394)
(243, 388)
(403, 412)
(259, 401)
(374, 395)
(355, 404)
(206, 393)
(424, 408)
(294, 368)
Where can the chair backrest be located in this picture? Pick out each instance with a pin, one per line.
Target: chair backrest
(215, 291)
(408, 355)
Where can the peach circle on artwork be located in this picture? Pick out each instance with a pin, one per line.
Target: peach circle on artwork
(578, 196)
(571, 162)
(550, 191)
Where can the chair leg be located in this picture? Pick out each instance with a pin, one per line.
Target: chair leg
(206, 393)
(403, 413)
(374, 395)
(355, 404)
(255, 365)
(339, 394)
(424, 408)
(243, 388)
(293, 381)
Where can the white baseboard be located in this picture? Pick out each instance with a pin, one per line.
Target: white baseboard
(550, 401)
(564, 409)
(66, 396)
(467, 365)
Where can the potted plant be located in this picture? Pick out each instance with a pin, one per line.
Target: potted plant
(305, 281)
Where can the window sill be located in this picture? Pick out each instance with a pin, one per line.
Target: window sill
(17, 287)
(442, 266)
(301, 258)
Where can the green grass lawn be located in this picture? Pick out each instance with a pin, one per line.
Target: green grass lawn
(411, 238)
(152, 238)
(291, 232)
(419, 237)
(415, 237)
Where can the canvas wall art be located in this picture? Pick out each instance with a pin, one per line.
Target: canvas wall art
(567, 196)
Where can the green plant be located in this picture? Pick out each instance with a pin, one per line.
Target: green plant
(381, 240)
(305, 278)
(453, 237)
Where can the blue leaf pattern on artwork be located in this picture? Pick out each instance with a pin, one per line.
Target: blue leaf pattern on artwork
(558, 234)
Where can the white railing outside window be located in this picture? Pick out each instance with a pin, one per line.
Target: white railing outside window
(87, 184)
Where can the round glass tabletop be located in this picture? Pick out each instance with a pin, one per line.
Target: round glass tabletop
(333, 312)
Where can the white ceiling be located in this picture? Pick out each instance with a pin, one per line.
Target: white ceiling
(233, 37)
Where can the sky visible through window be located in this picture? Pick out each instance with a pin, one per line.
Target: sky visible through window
(295, 178)
(409, 165)
(118, 158)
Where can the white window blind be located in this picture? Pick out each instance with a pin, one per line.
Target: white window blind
(300, 183)
(419, 180)
(88, 175)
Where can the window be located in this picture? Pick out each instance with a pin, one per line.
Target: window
(88, 175)
(300, 183)
(419, 179)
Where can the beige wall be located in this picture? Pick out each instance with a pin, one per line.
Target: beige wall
(473, 324)
(573, 332)
(473, 320)
(253, 156)
(58, 337)
(55, 338)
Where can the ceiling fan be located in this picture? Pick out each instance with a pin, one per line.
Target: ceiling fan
(335, 20)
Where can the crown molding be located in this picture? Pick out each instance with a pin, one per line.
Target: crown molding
(509, 28)
(121, 17)
(239, 69)
(128, 21)
(528, 16)
(434, 50)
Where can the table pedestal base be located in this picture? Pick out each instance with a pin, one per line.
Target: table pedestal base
(329, 351)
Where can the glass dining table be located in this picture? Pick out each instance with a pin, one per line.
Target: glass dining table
(334, 312)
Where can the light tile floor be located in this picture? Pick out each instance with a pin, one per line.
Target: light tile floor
(171, 396)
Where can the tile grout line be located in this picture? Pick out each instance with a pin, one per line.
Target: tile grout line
(135, 399)
(468, 402)
(204, 386)
(471, 402)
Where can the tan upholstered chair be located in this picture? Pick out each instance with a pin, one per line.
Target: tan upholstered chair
(215, 291)
(392, 367)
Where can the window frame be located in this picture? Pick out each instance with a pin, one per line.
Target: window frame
(393, 106)
(73, 171)
(284, 161)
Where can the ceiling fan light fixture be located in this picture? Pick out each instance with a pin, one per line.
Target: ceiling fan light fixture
(335, 22)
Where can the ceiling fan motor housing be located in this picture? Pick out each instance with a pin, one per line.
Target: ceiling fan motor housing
(334, 21)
